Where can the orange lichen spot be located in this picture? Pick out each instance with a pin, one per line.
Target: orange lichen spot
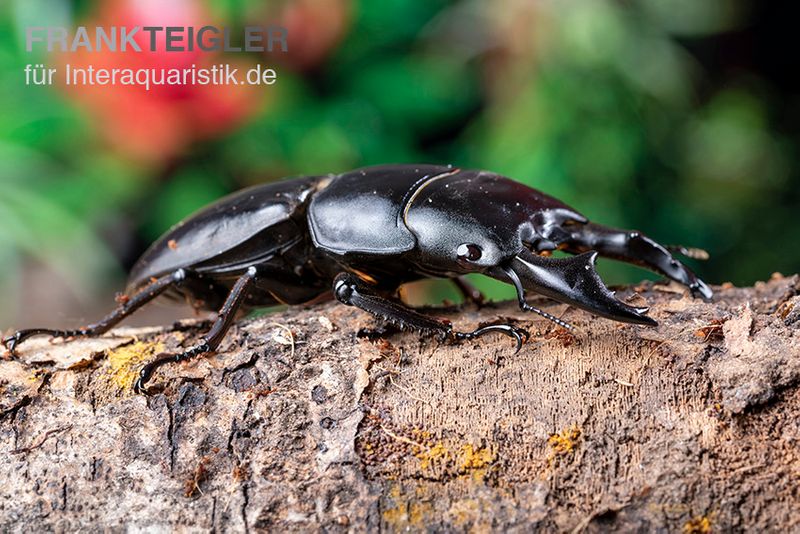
(430, 456)
(172, 244)
(475, 458)
(476, 461)
(698, 525)
(397, 515)
(467, 460)
(126, 361)
(563, 443)
(421, 435)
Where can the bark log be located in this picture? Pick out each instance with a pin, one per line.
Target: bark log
(296, 424)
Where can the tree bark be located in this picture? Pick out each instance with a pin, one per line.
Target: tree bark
(297, 424)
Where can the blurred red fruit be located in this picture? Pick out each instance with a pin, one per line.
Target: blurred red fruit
(157, 125)
(315, 28)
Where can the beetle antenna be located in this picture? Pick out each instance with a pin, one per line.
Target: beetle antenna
(689, 252)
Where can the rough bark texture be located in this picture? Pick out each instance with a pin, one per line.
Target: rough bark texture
(694, 425)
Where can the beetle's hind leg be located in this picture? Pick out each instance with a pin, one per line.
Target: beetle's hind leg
(349, 289)
(633, 247)
(212, 338)
(127, 307)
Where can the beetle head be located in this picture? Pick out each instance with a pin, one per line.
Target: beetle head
(474, 221)
(478, 222)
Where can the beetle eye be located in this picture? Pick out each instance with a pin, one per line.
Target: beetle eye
(469, 252)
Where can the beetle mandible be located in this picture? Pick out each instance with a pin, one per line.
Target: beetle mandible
(360, 235)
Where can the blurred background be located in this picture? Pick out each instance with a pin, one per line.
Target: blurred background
(677, 117)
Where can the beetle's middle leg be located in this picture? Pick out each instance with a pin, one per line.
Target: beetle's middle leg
(213, 337)
(349, 289)
(126, 308)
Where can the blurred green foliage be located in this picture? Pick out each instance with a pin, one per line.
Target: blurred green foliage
(594, 101)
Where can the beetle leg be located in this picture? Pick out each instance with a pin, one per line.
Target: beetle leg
(634, 247)
(523, 304)
(126, 308)
(469, 292)
(213, 338)
(350, 290)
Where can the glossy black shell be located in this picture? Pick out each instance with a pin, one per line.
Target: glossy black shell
(229, 234)
(301, 232)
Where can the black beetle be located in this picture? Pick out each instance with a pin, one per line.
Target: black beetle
(362, 234)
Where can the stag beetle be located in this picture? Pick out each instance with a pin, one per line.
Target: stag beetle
(361, 234)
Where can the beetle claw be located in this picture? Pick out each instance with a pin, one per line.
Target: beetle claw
(520, 335)
(698, 288)
(138, 386)
(570, 280)
(636, 248)
(146, 372)
(10, 343)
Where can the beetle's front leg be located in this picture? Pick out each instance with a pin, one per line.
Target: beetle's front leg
(350, 290)
(523, 304)
(213, 337)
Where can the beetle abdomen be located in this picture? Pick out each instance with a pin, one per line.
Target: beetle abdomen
(216, 236)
